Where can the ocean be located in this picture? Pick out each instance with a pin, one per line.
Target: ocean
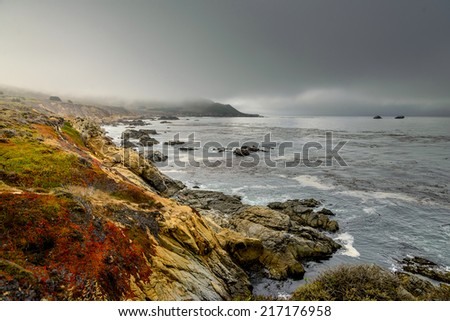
(386, 180)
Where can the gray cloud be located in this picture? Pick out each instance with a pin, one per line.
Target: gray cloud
(291, 57)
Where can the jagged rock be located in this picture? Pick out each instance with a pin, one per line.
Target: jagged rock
(418, 265)
(301, 212)
(94, 137)
(285, 245)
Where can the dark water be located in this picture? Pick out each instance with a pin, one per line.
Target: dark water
(391, 200)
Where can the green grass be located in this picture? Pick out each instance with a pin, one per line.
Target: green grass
(31, 164)
(73, 134)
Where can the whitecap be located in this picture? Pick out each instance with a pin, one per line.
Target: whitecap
(369, 210)
(346, 241)
(379, 195)
(312, 181)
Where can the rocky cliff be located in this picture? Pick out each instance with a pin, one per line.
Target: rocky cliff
(82, 219)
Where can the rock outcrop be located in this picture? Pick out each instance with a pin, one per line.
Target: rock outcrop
(283, 241)
(302, 212)
(424, 267)
(93, 136)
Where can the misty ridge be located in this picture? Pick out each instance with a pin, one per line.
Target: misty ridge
(112, 107)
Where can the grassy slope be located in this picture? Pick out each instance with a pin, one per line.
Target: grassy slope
(56, 241)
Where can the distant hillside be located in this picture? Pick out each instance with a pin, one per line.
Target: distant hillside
(105, 109)
(198, 108)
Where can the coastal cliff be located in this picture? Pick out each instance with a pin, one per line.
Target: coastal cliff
(81, 222)
(83, 219)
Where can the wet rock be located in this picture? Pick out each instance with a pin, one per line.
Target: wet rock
(301, 212)
(326, 211)
(251, 148)
(425, 267)
(377, 117)
(241, 152)
(174, 142)
(137, 134)
(168, 118)
(186, 149)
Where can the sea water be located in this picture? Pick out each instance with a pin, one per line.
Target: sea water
(390, 196)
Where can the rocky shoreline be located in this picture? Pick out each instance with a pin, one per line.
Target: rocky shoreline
(275, 241)
(116, 228)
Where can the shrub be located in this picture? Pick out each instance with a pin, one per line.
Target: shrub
(353, 283)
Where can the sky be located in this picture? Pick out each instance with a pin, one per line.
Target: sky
(299, 57)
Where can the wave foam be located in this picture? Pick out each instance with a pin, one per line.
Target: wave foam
(312, 181)
(379, 195)
(347, 243)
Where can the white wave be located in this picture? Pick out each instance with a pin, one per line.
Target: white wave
(379, 195)
(346, 240)
(369, 210)
(312, 181)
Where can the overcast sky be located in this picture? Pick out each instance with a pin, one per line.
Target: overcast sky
(286, 57)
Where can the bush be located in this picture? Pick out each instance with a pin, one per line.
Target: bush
(353, 283)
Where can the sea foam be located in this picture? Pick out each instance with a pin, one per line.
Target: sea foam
(346, 240)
